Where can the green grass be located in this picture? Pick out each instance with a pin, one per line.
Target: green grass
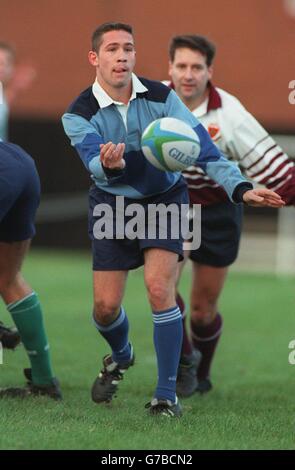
(252, 404)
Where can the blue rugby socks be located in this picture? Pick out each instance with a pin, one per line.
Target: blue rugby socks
(167, 341)
(116, 334)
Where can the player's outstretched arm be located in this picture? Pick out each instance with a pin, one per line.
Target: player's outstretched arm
(263, 197)
(260, 157)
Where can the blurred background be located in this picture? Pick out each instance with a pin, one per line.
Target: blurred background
(255, 61)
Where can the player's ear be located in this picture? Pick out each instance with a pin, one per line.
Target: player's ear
(93, 59)
(170, 68)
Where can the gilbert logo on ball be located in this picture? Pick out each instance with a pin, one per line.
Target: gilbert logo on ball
(170, 144)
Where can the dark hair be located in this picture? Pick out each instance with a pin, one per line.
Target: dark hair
(105, 28)
(194, 42)
(4, 46)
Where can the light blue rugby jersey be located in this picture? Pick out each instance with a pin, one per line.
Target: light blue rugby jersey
(88, 125)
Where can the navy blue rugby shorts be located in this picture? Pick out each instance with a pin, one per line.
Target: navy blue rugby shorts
(221, 226)
(125, 254)
(19, 194)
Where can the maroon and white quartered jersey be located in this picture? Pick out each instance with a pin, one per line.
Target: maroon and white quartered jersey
(242, 139)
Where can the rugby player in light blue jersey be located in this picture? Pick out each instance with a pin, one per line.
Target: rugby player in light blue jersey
(105, 124)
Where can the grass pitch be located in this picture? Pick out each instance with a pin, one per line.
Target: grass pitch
(252, 403)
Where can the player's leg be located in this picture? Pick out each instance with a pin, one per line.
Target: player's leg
(221, 230)
(109, 315)
(162, 255)
(13, 287)
(9, 337)
(160, 270)
(189, 358)
(186, 349)
(112, 260)
(112, 323)
(206, 322)
(20, 195)
(25, 309)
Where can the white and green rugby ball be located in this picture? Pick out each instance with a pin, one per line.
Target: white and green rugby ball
(170, 144)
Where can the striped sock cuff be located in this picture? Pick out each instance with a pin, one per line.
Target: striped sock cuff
(208, 332)
(208, 338)
(120, 318)
(167, 316)
(10, 307)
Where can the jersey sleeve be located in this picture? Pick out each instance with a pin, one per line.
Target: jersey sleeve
(211, 160)
(261, 159)
(86, 139)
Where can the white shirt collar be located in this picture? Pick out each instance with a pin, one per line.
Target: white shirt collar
(105, 100)
(202, 109)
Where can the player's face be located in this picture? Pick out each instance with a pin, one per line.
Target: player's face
(190, 74)
(115, 59)
(6, 66)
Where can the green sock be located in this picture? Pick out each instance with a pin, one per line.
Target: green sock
(27, 316)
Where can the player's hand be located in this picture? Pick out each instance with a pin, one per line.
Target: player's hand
(111, 156)
(263, 197)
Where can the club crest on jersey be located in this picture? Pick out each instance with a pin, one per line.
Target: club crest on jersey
(214, 131)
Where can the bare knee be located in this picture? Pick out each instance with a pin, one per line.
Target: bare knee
(160, 294)
(105, 312)
(204, 310)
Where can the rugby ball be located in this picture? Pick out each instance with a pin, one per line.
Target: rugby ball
(170, 144)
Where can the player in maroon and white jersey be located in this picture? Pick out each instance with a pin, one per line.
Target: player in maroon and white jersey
(243, 139)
